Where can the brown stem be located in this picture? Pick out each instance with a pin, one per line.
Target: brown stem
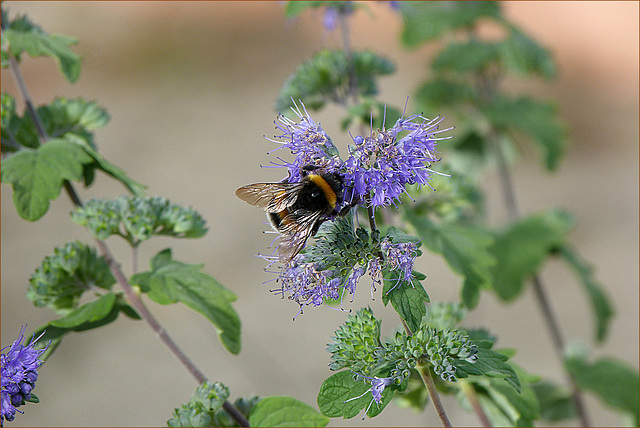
(553, 326)
(131, 295)
(425, 374)
(470, 392)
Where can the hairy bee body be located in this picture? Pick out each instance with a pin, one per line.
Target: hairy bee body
(296, 210)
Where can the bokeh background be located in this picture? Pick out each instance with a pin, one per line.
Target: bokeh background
(190, 87)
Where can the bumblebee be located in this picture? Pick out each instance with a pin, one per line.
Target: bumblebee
(296, 210)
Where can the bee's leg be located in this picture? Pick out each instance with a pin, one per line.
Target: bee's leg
(316, 226)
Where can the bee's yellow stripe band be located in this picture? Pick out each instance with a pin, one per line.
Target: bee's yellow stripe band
(326, 188)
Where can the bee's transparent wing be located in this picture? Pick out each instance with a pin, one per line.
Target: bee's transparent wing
(271, 197)
(296, 228)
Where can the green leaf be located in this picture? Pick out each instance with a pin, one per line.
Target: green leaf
(37, 175)
(326, 78)
(438, 93)
(244, 405)
(466, 250)
(523, 246)
(488, 363)
(616, 384)
(425, 21)
(74, 119)
(108, 168)
(74, 115)
(89, 312)
(521, 405)
(600, 303)
(470, 56)
(407, 298)
(536, 119)
(23, 36)
(341, 395)
(89, 316)
(279, 411)
(555, 401)
(524, 56)
(170, 281)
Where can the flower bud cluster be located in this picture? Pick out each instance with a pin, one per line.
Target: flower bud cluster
(62, 277)
(356, 343)
(137, 219)
(357, 346)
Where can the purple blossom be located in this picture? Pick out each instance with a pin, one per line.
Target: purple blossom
(333, 12)
(19, 374)
(307, 285)
(378, 385)
(400, 256)
(307, 141)
(377, 388)
(330, 19)
(381, 165)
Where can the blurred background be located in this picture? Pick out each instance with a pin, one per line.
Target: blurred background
(190, 87)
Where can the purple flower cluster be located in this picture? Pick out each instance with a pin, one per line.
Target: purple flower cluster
(400, 256)
(306, 285)
(19, 374)
(381, 165)
(376, 173)
(308, 143)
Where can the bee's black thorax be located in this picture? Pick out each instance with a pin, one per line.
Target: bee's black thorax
(319, 193)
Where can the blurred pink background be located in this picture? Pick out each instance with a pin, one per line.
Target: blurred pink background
(190, 87)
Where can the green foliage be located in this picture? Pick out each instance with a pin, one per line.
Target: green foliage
(521, 248)
(64, 276)
(201, 409)
(437, 345)
(502, 404)
(442, 316)
(243, 405)
(522, 55)
(326, 78)
(554, 400)
(427, 20)
(97, 313)
(407, 298)
(466, 250)
(489, 363)
(612, 381)
(21, 35)
(440, 93)
(38, 171)
(170, 281)
(138, 219)
(534, 118)
(458, 198)
(602, 308)
(37, 175)
(516, 53)
(280, 411)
